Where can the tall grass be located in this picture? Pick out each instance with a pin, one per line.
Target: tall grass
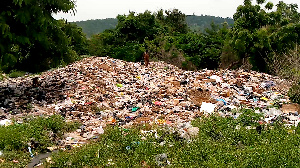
(221, 142)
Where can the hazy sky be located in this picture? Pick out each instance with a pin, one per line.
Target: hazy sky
(101, 9)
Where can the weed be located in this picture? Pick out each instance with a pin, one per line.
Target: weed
(29, 106)
(219, 144)
(14, 139)
(294, 93)
(15, 74)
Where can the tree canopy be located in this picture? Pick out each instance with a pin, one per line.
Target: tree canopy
(194, 22)
(258, 32)
(166, 35)
(29, 34)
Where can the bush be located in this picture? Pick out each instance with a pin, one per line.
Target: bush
(294, 93)
(14, 139)
(286, 65)
(249, 117)
(16, 74)
(219, 144)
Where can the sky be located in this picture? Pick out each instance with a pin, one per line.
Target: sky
(101, 9)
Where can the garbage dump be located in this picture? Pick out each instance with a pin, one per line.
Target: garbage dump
(101, 91)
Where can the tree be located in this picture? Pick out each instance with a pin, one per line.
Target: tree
(165, 35)
(257, 33)
(29, 34)
(137, 27)
(204, 50)
(126, 41)
(176, 20)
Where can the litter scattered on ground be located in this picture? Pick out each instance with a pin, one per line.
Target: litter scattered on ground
(162, 160)
(5, 122)
(101, 91)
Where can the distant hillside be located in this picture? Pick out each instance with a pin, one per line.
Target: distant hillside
(200, 23)
(197, 23)
(91, 27)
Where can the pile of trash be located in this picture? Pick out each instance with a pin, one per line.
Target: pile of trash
(100, 91)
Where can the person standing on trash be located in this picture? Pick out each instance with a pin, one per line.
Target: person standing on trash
(146, 58)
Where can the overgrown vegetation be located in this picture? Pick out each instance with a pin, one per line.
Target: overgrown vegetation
(221, 142)
(262, 39)
(38, 133)
(258, 35)
(15, 74)
(286, 65)
(195, 23)
(294, 93)
(32, 40)
(2, 76)
(165, 35)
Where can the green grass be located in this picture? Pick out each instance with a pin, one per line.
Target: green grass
(16, 74)
(14, 139)
(219, 144)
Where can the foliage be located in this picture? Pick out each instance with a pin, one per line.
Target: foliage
(18, 135)
(286, 65)
(14, 139)
(204, 50)
(258, 36)
(78, 42)
(249, 117)
(258, 33)
(126, 40)
(165, 35)
(219, 142)
(203, 22)
(2, 76)
(15, 74)
(294, 93)
(175, 20)
(195, 23)
(31, 36)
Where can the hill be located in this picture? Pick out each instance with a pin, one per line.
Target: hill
(200, 23)
(91, 27)
(196, 23)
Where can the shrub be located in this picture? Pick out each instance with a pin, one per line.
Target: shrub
(14, 139)
(219, 144)
(249, 117)
(15, 74)
(294, 93)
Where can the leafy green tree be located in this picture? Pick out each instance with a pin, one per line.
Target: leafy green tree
(126, 41)
(77, 38)
(137, 27)
(257, 33)
(31, 36)
(176, 20)
(195, 23)
(204, 50)
(165, 35)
